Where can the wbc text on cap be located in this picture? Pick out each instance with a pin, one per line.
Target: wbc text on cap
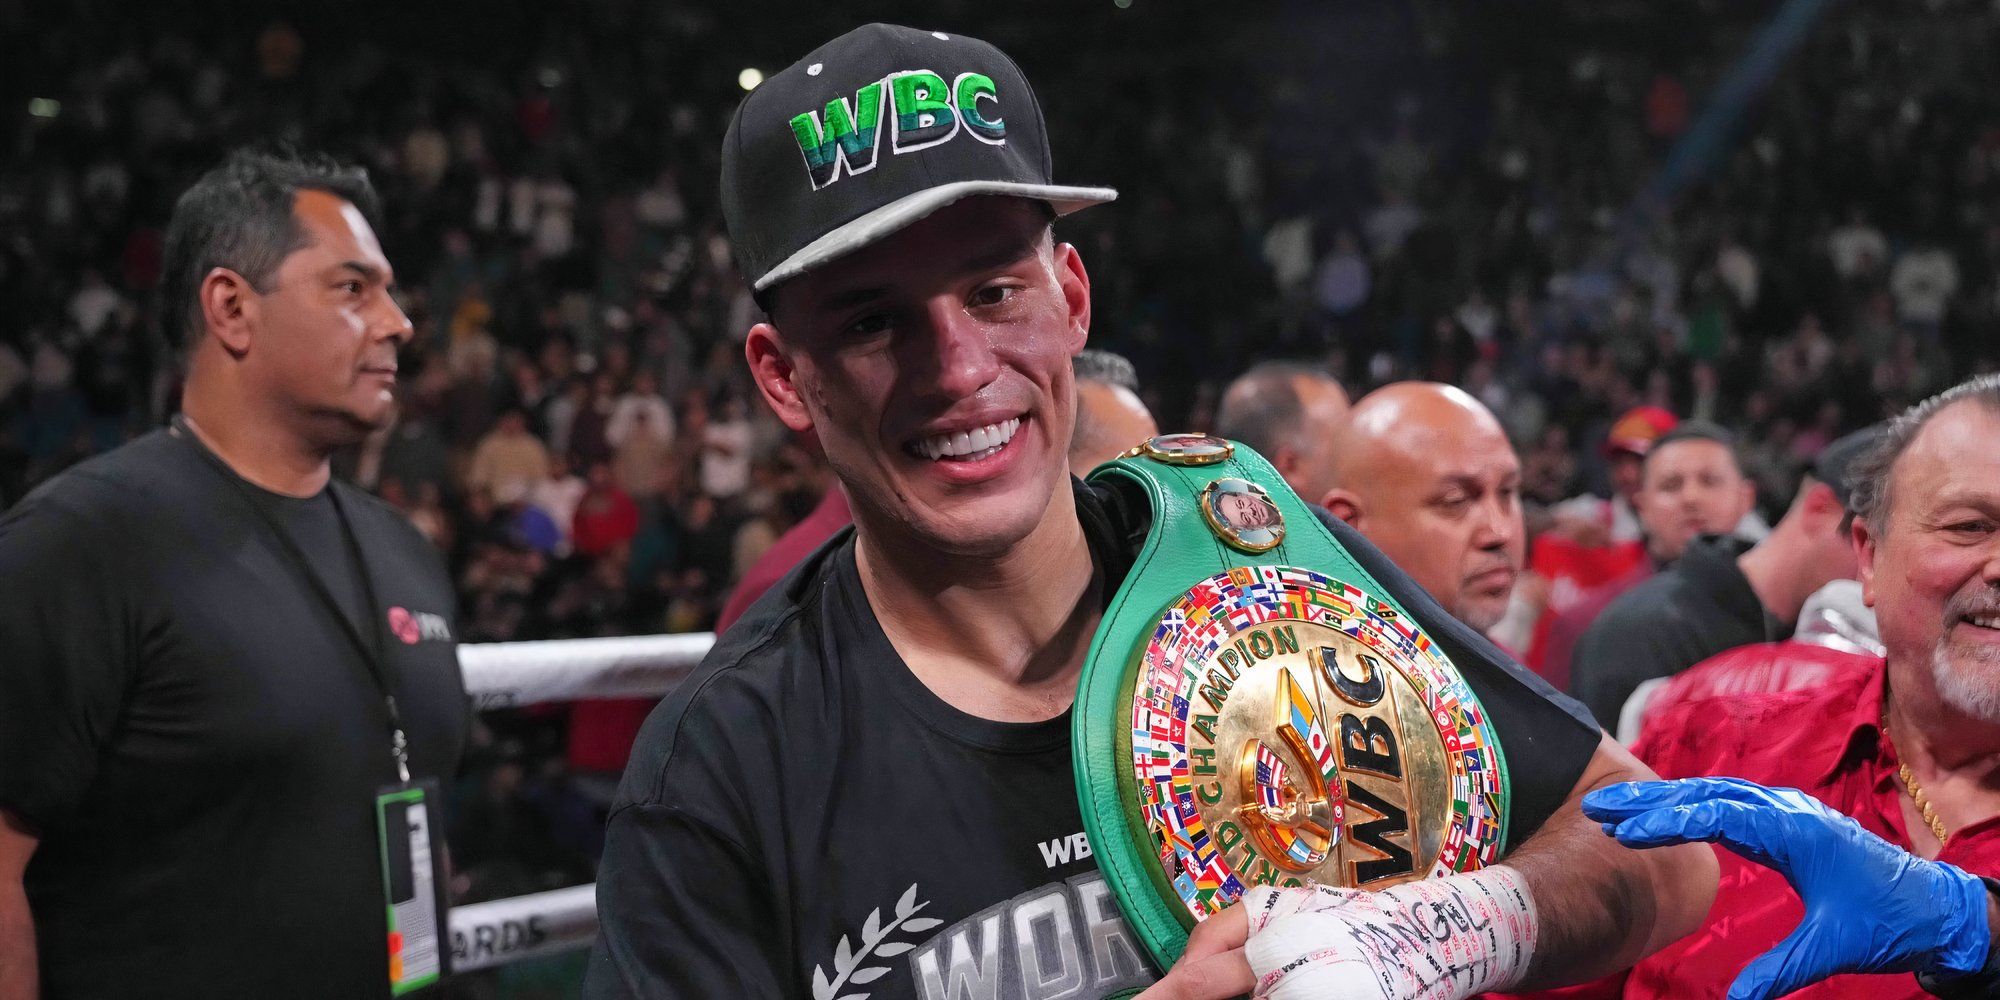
(923, 112)
(874, 131)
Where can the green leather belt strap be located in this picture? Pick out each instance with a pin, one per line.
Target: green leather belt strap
(1182, 547)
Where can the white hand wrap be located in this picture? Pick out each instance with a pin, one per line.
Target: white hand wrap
(1438, 939)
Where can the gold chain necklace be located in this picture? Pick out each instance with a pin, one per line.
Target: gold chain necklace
(1923, 802)
(1911, 785)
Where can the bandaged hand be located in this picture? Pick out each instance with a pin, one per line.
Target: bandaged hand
(1437, 939)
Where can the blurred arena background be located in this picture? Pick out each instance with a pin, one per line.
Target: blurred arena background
(1780, 216)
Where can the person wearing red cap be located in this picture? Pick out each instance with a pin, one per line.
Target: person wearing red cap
(1722, 592)
(1596, 550)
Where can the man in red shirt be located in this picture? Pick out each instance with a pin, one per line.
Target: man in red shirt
(1908, 748)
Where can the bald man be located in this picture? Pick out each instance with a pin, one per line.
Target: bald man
(1427, 473)
(1291, 414)
(1110, 417)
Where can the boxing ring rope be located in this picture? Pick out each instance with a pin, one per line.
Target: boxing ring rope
(507, 674)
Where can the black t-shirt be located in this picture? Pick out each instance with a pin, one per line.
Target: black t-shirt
(195, 738)
(1667, 623)
(804, 818)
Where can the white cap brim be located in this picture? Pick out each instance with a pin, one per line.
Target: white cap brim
(911, 208)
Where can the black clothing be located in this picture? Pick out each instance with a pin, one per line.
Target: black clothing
(805, 818)
(196, 739)
(1667, 623)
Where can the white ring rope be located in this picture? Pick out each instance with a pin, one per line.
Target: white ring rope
(505, 674)
(484, 935)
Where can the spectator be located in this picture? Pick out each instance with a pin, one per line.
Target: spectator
(1109, 415)
(589, 443)
(725, 451)
(558, 495)
(606, 516)
(641, 411)
(1857, 247)
(1294, 417)
(1881, 744)
(1340, 286)
(1426, 473)
(1924, 280)
(1717, 594)
(509, 462)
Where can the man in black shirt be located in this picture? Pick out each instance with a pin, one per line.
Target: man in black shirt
(204, 633)
(868, 786)
(1723, 592)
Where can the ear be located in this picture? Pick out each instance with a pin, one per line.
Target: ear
(1749, 499)
(1344, 505)
(773, 373)
(1864, 555)
(1285, 459)
(228, 309)
(1075, 284)
(1825, 507)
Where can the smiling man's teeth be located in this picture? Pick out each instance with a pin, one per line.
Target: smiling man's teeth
(969, 445)
(1984, 621)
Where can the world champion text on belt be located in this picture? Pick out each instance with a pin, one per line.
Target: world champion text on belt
(1288, 726)
(1264, 712)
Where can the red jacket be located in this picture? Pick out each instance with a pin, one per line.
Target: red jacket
(1835, 638)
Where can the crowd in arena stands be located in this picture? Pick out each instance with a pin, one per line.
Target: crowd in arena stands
(577, 432)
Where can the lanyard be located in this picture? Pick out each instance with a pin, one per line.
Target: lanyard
(374, 654)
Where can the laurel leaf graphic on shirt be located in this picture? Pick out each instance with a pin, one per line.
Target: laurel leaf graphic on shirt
(874, 935)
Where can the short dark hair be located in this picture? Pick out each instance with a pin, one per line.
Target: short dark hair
(1872, 471)
(1104, 366)
(239, 216)
(1261, 408)
(1698, 430)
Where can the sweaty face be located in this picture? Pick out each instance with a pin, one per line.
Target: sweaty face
(328, 330)
(1932, 572)
(1449, 513)
(1691, 487)
(934, 367)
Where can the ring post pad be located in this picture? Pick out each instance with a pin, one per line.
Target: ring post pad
(1257, 709)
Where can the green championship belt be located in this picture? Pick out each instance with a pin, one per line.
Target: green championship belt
(1257, 709)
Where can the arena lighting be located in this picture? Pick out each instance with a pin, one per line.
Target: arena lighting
(44, 107)
(750, 78)
(1121, 4)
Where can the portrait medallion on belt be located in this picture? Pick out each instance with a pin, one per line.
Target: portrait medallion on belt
(1184, 449)
(1243, 514)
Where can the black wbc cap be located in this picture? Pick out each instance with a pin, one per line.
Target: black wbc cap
(874, 131)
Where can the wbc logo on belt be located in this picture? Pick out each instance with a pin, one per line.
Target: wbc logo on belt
(1287, 726)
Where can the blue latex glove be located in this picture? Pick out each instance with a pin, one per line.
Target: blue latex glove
(1870, 905)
